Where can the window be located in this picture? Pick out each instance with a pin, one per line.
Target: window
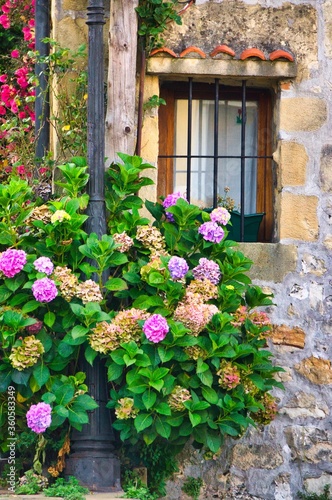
(213, 136)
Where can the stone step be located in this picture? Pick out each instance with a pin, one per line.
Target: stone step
(92, 496)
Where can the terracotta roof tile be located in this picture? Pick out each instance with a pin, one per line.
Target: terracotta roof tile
(277, 54)
(252, 52)
(163, 49)
(222, 49)
(280, 54)
(191, 49)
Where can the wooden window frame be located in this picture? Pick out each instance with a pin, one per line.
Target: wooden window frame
(170, 91)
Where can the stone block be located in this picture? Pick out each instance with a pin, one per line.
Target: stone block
(302, 114)
(327, 9)
(292, 159)
(316, 484)
(317, 370)
(304, 405)
(77, 5)
(308, 443)
(313, 265)
(298, 218)
(282, 334)
(259, 456)
(271, 262)
(72, 32)
(326, 169)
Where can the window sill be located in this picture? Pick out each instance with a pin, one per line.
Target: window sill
(271, 261)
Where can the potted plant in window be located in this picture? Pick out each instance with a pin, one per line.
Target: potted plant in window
(251, 221)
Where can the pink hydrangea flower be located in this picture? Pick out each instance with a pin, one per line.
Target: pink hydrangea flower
(44, 290)
(211, 232)
(171, 200)
(207, 269)
(44, 265)
(155, 328)
(12, 262)
(39, 417)
(220, 215)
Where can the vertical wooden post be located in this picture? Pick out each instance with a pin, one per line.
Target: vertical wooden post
(121, 91)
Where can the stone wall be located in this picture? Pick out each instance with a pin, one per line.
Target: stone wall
(295, 451)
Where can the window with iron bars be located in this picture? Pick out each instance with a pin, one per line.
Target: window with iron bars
(216, 141)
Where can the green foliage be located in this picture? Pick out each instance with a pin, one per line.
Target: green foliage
(31, 483)
(69, 489)
(316, 496)
(9, 40)
(192, 486)
(161, 463)
(68, 85)
(153, 102)
(207, 374)
(133, 487)
(153, 18)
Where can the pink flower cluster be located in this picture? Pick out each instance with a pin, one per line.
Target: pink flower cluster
(12, 262)
(44, 265)
(220, 215)
(39, 417)
(207, 269)
(195, 315)
(15, 88)
(44, 290)
(169, 201)
(156, 328)
(211, 232)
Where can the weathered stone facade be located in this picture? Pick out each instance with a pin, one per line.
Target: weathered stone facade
(295, 451)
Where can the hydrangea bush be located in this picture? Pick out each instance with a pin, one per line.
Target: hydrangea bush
(176, 320)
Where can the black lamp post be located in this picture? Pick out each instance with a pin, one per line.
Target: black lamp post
(92, 460)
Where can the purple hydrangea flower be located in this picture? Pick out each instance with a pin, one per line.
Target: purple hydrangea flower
(220, 215)
(177, 267)
(211, 232)
(169, 201)
(44, 290)
(44, 265)
(207, 269)
(39, 417)
(156, 328)
(12, 262)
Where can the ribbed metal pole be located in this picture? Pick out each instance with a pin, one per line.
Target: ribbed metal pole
(96, 119)
(93, 462)
(42, 106)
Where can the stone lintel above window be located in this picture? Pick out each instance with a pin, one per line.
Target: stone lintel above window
(170, 67)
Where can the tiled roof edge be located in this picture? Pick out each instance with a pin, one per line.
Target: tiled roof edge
(252, 52)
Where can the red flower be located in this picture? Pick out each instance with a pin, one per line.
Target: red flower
(4, 20)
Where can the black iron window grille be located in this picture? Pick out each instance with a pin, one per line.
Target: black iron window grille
(247, 161)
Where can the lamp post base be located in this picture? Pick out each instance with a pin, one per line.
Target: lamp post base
(97, 471)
